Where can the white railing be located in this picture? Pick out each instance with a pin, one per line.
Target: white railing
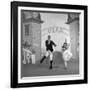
(28, 56)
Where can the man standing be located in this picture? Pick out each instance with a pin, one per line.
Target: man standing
(49, 50)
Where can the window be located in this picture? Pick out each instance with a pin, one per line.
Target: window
(27, 30)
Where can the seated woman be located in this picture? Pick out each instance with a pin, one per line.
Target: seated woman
(66, 53)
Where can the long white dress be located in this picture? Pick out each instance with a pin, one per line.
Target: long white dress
(67, 55)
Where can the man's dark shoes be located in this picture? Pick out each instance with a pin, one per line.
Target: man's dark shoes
(42, 59)
(50, 65)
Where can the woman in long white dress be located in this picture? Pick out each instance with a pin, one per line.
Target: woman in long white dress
(66, 54)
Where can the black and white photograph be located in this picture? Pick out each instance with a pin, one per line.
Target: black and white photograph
(50, 44)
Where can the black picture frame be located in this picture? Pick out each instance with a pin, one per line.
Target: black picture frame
(14, 43)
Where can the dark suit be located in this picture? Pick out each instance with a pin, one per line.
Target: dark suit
(49, 46)
(49, 50)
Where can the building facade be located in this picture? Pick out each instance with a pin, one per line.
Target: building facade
(31, 31)
(73, 21)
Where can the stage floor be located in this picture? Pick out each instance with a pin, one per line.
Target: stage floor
(32, 70)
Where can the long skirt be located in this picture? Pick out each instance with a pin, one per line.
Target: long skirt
(67, 55)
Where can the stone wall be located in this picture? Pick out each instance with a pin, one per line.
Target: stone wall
(34, 34)
(36, 31)
(73, 21)
(74, 30)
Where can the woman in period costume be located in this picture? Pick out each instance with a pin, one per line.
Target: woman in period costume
(66, 54)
